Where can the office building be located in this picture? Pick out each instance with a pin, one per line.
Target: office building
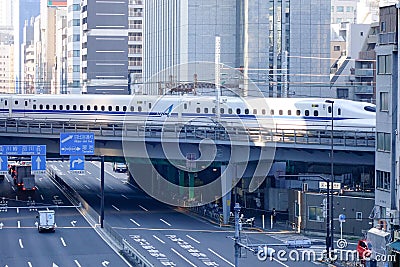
(7, 83)
(282, 46)
(72, 65)
(104, 47)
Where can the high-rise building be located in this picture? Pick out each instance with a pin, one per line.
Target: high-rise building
(22, 10)
(7, 82)
(73, 47)
(135, 42)
(6, 14)
(283, 46)
(104, 47)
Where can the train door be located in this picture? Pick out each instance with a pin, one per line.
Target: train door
(26, 106)
(5, 107)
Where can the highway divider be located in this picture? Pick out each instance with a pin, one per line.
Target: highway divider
(107, 232)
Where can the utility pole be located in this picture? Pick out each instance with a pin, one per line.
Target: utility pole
(237, 234)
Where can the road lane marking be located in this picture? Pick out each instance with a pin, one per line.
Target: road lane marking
(98, 179)
(124, 196)
(18, 224)
(77, 263)
(109, 186)
(41, 196)
(143, 208)
(98, 196)
(278, 261)
(20, 243)
(156, 237)
(88, 172)
(132, 220)
(188, 236)
(222, 258)
(116, 208)
(29, 264)
(63, 242)
(165, 222)
(87, 186)
(77, 178)
(177, 253)
(17, 210)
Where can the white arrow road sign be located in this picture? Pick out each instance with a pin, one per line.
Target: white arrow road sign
(77, 161)
(105, 263)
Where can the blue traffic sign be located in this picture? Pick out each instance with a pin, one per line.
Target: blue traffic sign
(342, 218)
(22, 150)
(77, 163)
(76, 143)
(3, 164)
(38, 164)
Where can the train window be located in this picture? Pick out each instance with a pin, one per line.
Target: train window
(139, 108)
(41, 106)
(230, 111)
(34, 106)
(109, 108)
(205, 110)
(5, 102)
(221, 110)
(289, 112)
(54, 107)
(185, 106)
(103, 108)
(272, 112)
(316, 113)
(61, 107)
(329, 109)
(149, 105)
(47, 107)
(238, 111)
(16, 102)
(198, 110)
(246, 111)
(81, 107)
(366, 108)
(298, 112)
(132, 108)
(339, 111)
(307, 112)
(255, 111)
(116, 108)
(263, 111)
(124, 108)
(88, 107)
(67, 107)
(280, 112)
(74, 107)
(95, 107)
(213, 110)
(26, 103)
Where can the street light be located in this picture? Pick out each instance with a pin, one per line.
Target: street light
(332, 178)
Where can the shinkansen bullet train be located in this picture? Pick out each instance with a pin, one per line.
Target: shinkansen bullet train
(282, 113)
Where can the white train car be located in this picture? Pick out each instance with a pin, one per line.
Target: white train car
(280, 113)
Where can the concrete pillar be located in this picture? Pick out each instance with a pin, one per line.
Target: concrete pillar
(226, 186)
(191, 185)
(181, 181)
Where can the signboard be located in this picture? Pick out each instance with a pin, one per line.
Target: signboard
(324, 185)
(56, 3)
(77, 163)
(342, 218)
(38, 164)
(3, 164)
(22, 150)
(77, 143)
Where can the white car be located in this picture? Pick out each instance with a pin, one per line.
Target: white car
(120, 167)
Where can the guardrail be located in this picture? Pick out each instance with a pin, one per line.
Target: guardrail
(127, 250)
(190, 133)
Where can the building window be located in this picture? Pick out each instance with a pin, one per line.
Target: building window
(296, 209)
(349, 9)
(342, 93)
(385, 64)
(76, 53)
(384, 101)
(340, 9)
(383, 180)
(336, 48)
(383, 142)
(359, 216)
(383, 26)
(315, 214)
